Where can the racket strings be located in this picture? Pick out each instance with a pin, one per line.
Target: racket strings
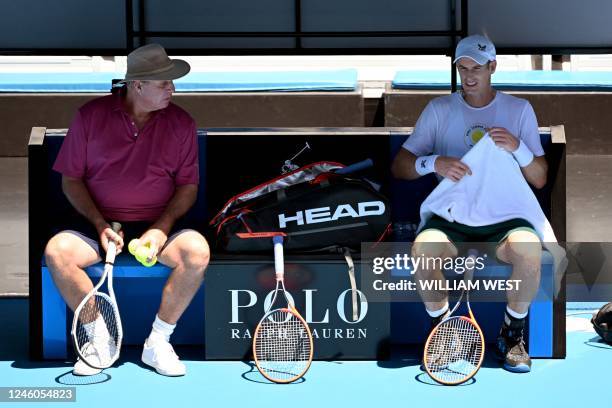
(97, 333)
(282, 346)
(454, 352)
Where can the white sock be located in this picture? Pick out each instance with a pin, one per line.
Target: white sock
(161, 330)
(439, 312)
(97, 329)
(514, 315)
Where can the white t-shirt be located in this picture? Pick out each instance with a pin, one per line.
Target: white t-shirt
(450, 127)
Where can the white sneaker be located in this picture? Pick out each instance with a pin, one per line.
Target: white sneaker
(161, 356)
(81, 367)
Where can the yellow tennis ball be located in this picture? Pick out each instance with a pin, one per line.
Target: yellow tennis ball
(142, 255)
(149, 264)
(133, 246)
(141, 252)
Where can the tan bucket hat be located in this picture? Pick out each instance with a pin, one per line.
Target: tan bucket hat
(150, 62)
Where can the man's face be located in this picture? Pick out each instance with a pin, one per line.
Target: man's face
(155, 95)
(475, 78)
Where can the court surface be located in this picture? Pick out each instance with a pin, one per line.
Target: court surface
(397, 382)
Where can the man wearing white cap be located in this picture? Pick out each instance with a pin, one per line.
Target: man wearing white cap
(446, 130)
(132, 157)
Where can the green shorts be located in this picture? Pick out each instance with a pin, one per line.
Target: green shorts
(488, 233)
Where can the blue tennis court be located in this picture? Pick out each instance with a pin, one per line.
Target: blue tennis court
(398, 381)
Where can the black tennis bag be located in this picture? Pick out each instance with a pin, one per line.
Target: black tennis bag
(602, 322)
(316, 208)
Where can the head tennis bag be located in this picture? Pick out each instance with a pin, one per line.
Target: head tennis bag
(602, 322)
(315, 207)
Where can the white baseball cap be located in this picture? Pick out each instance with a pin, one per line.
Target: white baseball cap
(477, 48)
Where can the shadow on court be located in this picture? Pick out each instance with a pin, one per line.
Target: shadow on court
(23, 364)
(253, 375)
(70, 379)
(423, 378)
(598, 342)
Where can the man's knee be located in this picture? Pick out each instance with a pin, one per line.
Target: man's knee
(524, 248)
(194, 252)
(65, 249)
(59, 250)
(433, 243)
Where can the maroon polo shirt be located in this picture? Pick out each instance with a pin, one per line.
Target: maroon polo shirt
(130, 174)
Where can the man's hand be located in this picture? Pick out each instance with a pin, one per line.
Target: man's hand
(451, 168)
(504, 139)
(106, 234)
(156, 239)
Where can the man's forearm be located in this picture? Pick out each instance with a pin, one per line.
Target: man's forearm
(77, 194)
(181, 202)
(403, 166)
(536, 172)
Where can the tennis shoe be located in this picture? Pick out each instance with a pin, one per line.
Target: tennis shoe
(511, 350)
(161, 356)
(97, 354)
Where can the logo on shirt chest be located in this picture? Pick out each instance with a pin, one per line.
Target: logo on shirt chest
(474, 133)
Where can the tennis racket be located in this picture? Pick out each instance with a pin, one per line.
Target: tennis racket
(455, 348)
(96, 327)
(282, 343)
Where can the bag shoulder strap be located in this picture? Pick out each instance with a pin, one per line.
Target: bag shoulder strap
(351, 272)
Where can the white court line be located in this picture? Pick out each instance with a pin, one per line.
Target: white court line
(581, 323)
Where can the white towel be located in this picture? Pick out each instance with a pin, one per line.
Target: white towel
(495, 192)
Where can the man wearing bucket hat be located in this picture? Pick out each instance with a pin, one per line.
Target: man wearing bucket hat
(132, 157)
(446, 130)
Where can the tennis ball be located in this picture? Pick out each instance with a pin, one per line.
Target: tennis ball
(149, 264)
(141, 253)
(133, 246)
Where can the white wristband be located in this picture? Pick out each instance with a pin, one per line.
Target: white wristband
(425, 164)
(523, 155)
